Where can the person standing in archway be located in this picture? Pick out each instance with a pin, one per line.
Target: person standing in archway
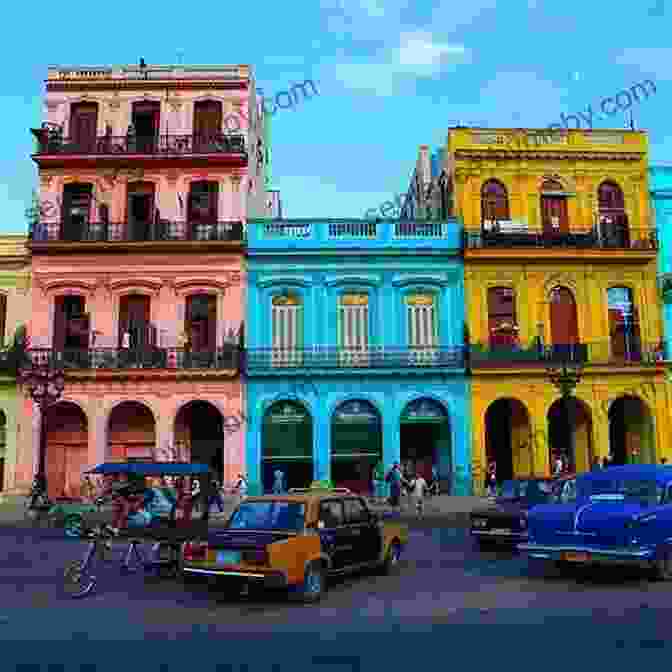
(492, 479)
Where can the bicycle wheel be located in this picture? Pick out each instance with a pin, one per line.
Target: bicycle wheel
(77, 580)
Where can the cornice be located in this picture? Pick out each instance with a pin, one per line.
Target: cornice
(183, 286)
(152, 284)
(336, 280)
(270, 280)
(146, 85)
(443, 279)
(54, 285)
(548, 155)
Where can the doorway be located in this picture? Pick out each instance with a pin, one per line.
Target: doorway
(570, 434)
(140, 208)
(84, 126)
(199, 425)
(554, 209)
(631, 432)
(76, 212)
(507, 440)
(564, 324)
(146, 120)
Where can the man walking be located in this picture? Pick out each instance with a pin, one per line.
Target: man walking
(279, 482)
(394, 478)
(418, 488)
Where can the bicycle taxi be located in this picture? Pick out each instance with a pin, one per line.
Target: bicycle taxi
(164, 532)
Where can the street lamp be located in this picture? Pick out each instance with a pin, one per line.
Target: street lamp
(45, 383)
(566, 377)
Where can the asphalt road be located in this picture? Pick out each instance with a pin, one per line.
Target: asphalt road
(447, 606)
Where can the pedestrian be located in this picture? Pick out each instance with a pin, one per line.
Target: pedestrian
(418, 487)
(196, 493)
(394, 478)
(279, 482)
(216, 498)
(558, 465)
(379, 481)
(492, 479)
(434, 486)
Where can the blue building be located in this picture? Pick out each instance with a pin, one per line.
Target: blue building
(660, 186)
(354, 337)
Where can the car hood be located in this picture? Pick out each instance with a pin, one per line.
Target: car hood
(244, 539)
(502, 506)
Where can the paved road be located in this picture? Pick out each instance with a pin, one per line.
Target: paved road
(447, 603)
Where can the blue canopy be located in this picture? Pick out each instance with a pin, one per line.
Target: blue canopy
(152, 468)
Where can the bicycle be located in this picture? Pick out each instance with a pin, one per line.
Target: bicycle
(37, 506)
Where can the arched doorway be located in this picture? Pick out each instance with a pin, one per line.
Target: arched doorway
(287, 445)
(570, 434)
(564, 320)
(131, 432)
(356, 444)
(425, 440)
(507, 439)
(631, 432)
(199, 426)
(3, 447)
(67, 449)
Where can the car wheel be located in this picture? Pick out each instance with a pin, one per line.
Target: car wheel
(663, 567)
(312, 588)
(77, 580)
(484, 544)
(73, 526)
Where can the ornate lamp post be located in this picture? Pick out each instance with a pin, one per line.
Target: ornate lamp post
(45, 384)
(566, 377)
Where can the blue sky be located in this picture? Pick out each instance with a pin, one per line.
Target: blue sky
(391, 75)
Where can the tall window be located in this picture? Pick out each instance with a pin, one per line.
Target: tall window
(76, 211)
(422, 326)
(612, 219)
(623, 324)
(84, 126)
(553, 208)
(494, 203)
(353, 314)
(502, 323)
(286, 325)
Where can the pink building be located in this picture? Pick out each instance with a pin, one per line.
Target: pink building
(137, 263)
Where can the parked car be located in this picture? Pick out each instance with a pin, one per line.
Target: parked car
(295, 541)
(618, 515)
(504, 520)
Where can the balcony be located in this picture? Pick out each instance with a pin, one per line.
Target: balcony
(50, 145)
(227, 358)
(536, 355)
(135, 232)
(262, 361)
(635, 239)
(353, 234)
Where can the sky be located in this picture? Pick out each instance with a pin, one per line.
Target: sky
(391, 76)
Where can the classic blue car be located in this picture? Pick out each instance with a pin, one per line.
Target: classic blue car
(619, 515)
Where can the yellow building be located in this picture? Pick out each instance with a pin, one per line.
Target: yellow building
(560, 266)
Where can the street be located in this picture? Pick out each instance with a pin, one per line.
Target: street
(363, 622)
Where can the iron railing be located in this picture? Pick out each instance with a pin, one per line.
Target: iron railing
(581, 354)
(260, 360)
(220, 143)
(228, 358)
(68, 231)
(641, 239)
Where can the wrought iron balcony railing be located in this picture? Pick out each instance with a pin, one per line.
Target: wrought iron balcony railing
(640, 239)
(68, 231)
(226, 358)
(260, 360)
(584, 354)
(111, 145)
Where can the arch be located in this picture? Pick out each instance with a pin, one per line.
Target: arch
(426, 439)
(631, 431)
(502, 319)
(494, 202)
(199, 426)
(131, 430)
(508, 441)
(570, 433)
(551, 184)
(356, 443)
(66, 426)
(287, 437)
(564, 317)
(610, 195)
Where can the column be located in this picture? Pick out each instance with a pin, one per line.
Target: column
(253, 442)
(97, 415)
(321, 438)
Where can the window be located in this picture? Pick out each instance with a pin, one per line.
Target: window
(502, 323)
(331, 513)
(612, 219)
(553, 208)
(268, 516)
(355, 511)
(624, 331)
(201, 323)
(76, 211)
(286, 328)
(353, 314)
(422, 326)
(202, 209)
(494, 203)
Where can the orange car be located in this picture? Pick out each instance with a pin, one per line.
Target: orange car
(295, 541)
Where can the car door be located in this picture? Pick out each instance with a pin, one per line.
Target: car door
(335, 537)
(365, 533)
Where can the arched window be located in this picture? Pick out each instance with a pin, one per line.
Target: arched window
(553, 208)
(287, 328)
(494, 203)
(502, 323)
(624, 332)
(612, 219)
(564, 321)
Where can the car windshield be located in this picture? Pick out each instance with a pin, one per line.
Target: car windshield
(537, 491)
(268, 516)
(647, 491)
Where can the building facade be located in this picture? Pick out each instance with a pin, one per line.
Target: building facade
(354, 352)
(560, 268)
(137, 261)
(660, 183)
(14, 313)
